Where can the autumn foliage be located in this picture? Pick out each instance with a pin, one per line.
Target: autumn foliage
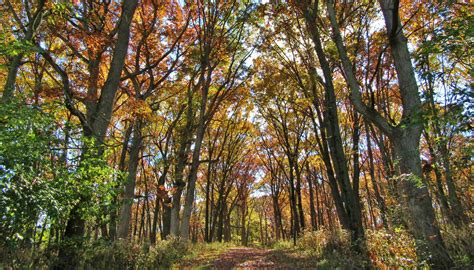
(136, 131)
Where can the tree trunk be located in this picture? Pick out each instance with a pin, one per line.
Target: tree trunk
(123, 154)
(208, 200)
(380, 201)
(417, 202)
(178, 183)
(351, 218)
(205, 80)
(312, 211)
(191, 186)
(298, 193)
(129, 192)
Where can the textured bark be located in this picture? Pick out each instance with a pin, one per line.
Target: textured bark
(129, 192)
(182, 157)
(191, 185)
(421, 221)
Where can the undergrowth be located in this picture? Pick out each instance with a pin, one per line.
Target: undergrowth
(384, 249)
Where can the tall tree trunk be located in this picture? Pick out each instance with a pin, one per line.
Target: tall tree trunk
(191, 186)
(243, 232)
(205, 80)
(182, 157)
(295, 229)
(123, 154)
(298, 193)
(276, 216)
(129, 192)
(208, 200)
(312, 211)
(319, 204)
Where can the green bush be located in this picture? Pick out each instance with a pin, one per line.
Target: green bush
(460, 243)
(282, 245)
(163, 255)
(123, 255)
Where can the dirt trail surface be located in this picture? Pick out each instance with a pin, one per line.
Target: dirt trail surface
(251, 258)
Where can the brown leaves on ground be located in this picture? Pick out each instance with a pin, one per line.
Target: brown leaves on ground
(252, 258)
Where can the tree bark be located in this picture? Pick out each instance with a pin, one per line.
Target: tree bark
(129, 192)
(312, 211)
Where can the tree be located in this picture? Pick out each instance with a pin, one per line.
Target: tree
(99, 108)
(406, 135)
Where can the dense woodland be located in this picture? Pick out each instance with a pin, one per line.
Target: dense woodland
(134, 131)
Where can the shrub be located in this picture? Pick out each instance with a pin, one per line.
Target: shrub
(391, 249)
(123, 255)
(282, 245)
(460, 243)
(386, 250)
(163, 255)
(325, 241)
(101, 254)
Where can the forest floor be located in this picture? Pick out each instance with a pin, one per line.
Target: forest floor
(249, 258)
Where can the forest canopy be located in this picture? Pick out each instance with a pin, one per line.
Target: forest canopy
(145, 134)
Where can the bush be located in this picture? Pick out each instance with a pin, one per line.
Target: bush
(163, 255)
(123, 255)
(391, 249)
(325, 242)
(101, 254)
(282, 245)
(386, 250)
(460, 243)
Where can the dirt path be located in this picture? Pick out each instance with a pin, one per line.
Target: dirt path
(253, 258)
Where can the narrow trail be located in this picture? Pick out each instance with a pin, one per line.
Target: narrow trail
(252, 258)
